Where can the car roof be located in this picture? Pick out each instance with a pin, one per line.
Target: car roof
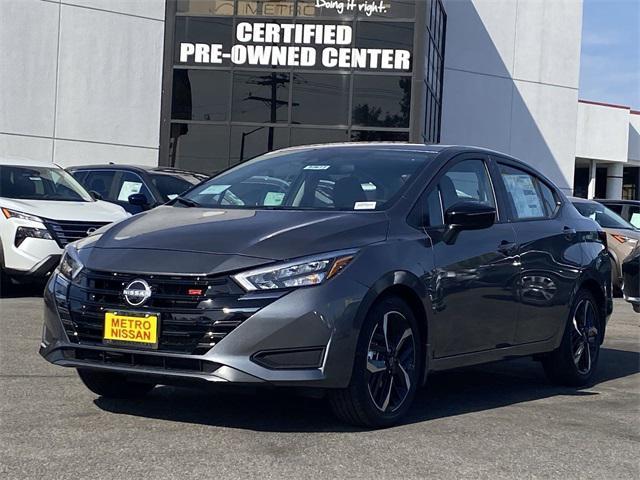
(145, 168)
(23, 162)
(581, 200)
(611, 200)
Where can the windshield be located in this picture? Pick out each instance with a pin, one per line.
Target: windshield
(40, 183)
(171, 186)
(605, 217)
(349, 178)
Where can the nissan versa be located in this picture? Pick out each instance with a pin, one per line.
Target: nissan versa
(355, 269)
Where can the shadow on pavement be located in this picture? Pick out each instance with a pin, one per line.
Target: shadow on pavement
(447, 394)
(11, 290)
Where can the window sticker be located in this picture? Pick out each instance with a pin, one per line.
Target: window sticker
(635, 220)
(524, 195)
(317, 167)
(129, 188)
(273, 199)
(365, 206)
(172, 196)
(214, 189)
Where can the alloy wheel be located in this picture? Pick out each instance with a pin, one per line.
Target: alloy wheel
(584, 336)
(391, 361)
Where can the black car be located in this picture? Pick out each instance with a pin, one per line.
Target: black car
(135, 188)
(631, 278)
(627, 209)
(354, 270)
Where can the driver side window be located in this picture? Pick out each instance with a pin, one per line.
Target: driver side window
(466, 181)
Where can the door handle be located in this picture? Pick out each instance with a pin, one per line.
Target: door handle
(507, 248)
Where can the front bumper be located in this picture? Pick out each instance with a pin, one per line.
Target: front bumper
(316, 325)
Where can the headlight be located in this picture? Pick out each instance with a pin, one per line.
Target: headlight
(300, 273)
(31, 232)
(24, 216)
(70, 265)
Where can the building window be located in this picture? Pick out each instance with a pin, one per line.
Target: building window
(381, 101)
(194, 99)
(231, 96)
(260, 97)
(312, 92)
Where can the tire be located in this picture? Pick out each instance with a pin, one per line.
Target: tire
(113, 385)
(386, 369)
(574, 362)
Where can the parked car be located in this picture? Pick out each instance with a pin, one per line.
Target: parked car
(448, 256)
(135, 188)
(43, 209)
(627, 209)
(622, 237)
(631, 277)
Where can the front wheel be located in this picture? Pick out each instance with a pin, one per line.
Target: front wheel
(574, 361)
(113, 385)
(386, 369)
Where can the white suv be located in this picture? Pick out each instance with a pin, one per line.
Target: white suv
(42, 208)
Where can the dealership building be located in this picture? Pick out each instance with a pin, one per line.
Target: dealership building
(206, 84)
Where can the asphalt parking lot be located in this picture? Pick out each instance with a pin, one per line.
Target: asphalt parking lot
(495, 421)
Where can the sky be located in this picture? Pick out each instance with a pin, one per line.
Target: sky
(610, 60)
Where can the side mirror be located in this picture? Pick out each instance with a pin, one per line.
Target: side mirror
(95, 195)
(139, 200)
(467, 216)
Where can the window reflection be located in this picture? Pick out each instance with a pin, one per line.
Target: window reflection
(381, 101)
(312, 93)
(198, 147)
(310, 136)
(378, 136)
(260, 97)
(397, 35)
(202, 30)
(249, 142)
(196, 100)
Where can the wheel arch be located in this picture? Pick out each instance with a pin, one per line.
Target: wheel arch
(413, 291)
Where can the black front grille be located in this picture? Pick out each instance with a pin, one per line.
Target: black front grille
(65, 232)
(194, 312)
(141, 360)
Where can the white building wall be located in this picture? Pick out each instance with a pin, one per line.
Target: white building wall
(81, 80)
(603, 132)
(511, 80)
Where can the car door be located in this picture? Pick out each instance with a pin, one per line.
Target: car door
(127, 183)
(473, 298)
(548, 249)
(99, 181)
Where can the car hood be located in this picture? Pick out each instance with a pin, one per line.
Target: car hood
(206, 241)
(98, 211)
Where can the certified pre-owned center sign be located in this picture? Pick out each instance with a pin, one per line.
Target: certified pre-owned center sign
(295, 45)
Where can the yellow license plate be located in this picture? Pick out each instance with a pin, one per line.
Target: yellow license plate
(129, 329)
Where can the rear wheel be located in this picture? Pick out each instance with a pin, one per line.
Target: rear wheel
(386, 368)
(574, 361)
(113, 385)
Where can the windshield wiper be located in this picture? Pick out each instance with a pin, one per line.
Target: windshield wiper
(187, 201)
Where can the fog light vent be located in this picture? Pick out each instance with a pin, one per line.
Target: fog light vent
(290, 358)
